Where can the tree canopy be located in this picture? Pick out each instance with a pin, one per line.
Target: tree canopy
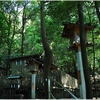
(20, 31)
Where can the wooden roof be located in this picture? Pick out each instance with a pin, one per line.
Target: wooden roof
(31, 59)
(70, 28)
(15, 77)
(40, 62)
(24, 57)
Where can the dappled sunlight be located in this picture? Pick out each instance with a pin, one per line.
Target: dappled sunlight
(68, 81)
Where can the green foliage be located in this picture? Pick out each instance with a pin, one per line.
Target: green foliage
(56, 13)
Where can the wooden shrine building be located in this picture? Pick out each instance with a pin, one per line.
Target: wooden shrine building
(20, 66)
(18, 83)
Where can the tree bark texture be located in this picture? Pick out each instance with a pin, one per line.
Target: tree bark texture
(10, 42)
(89, 94)
(23, 28)
(48, 53)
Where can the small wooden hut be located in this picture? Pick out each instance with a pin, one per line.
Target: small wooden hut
(20, 66)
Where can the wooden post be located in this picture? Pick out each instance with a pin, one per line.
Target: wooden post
(33, 85)
(81, 79)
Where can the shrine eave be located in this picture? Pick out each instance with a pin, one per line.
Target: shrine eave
(71, 28)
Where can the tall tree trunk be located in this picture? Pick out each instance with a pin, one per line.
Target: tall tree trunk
(97, 9)
(9, 30)
(10, 42)
(95, 91)
(48, 53)
(89, 94)
(23, 28)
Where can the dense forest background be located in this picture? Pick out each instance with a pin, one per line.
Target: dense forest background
(20, 31)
